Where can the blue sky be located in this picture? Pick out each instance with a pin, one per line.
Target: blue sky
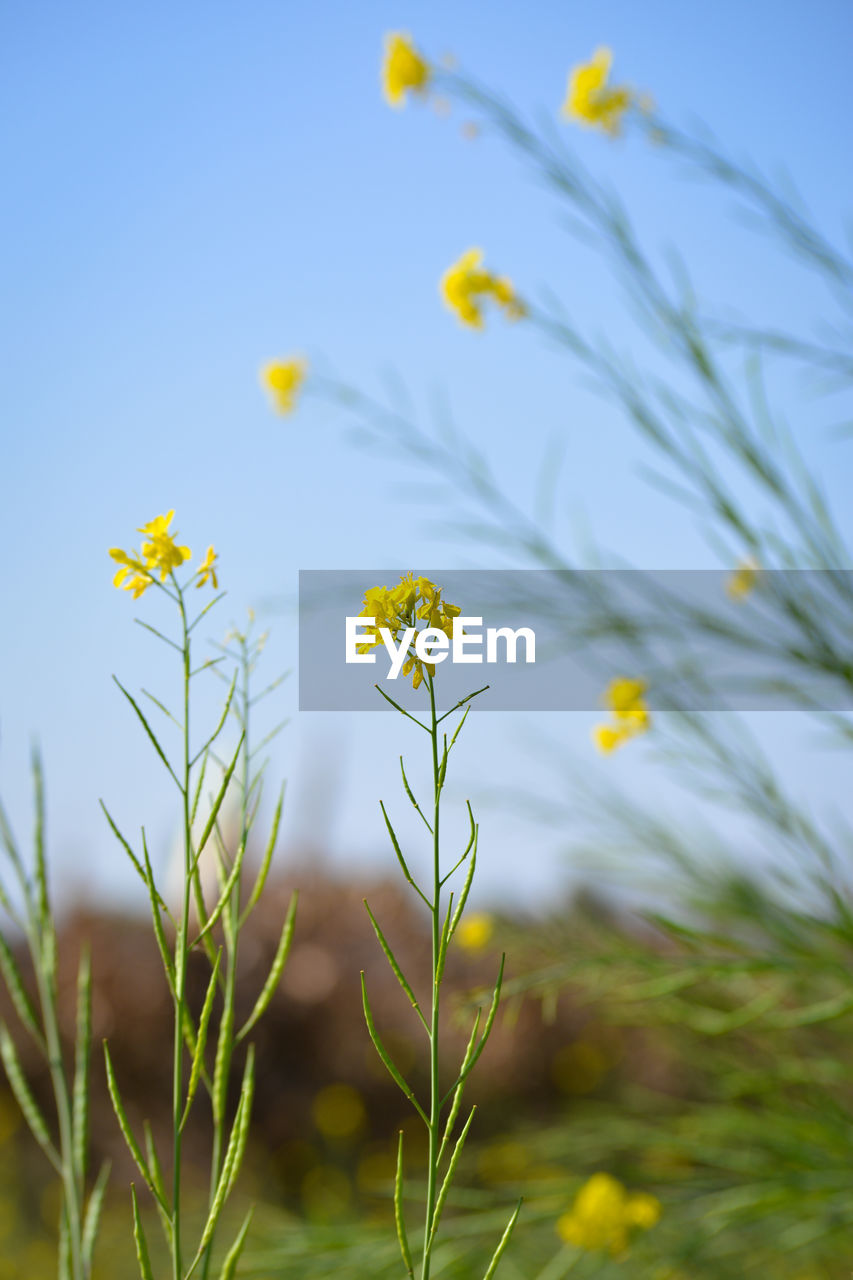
(193, 189)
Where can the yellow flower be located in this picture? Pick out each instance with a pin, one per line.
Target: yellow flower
(132, 576)
(160, 551)
(591, 100)
(742, 581)
(283, 380)
(465, 285)
(401, 607)
(624, 697)
(475, 931)
(604, 1213)
(607, 738)
(403, 69)
(207, 569)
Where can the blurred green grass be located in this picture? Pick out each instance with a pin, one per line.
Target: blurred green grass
(714, 1079)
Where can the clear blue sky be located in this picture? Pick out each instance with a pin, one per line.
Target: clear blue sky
(192, 189)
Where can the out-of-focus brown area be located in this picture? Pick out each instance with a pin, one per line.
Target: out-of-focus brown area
(322, 1098)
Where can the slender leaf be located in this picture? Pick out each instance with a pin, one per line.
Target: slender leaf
(448, 1177)
(385, 1056)
(124, 1124)
(21, 1000)
(142, 1257)
(502, 1243)
(92, 1217)
(392, 960)
(229, 1265)
(151, 734)
(82, 1054)
(201, 1039)
(402, 861)
(271, 984)
(399, 1217)
(25, 1099)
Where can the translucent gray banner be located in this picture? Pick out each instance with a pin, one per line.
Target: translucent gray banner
(699, 640)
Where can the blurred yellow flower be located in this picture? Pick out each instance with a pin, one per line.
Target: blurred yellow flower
(742, 582)
(591, 100)
(465, 285)
(604, 1213)
(403, 69)
(475, 931)
(161, 551)
(282, 379)
(624, 697)
(132, 576)
(207, 569)
(338, 1111)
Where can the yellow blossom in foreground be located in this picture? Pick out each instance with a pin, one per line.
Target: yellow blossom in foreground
(607, 738)
(742, 581)
(591, 100)
(403, 69)
(282, 379)
(207, 569)
(466, 285)
(624, 697)
(604, 1214)
(475, 931)
(398, 608)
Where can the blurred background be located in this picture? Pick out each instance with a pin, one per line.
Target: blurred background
(194, 190)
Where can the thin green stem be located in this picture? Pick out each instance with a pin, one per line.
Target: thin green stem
(231, 926)
(181, 957)
(435, 1095)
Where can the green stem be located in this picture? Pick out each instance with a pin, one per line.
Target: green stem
(181, 961)
(435, 1096)
(231, 926)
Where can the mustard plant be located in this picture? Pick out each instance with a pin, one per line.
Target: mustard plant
(197, 927)
(399, 609)
(66, 1141)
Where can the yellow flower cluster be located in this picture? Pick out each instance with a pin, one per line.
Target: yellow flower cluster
(160, 554)
(742, 581)
(591, 100)
(465, 285)
(604, 1214)
(403, 69)
(283, 379)
(412, 600)
(624, 697)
